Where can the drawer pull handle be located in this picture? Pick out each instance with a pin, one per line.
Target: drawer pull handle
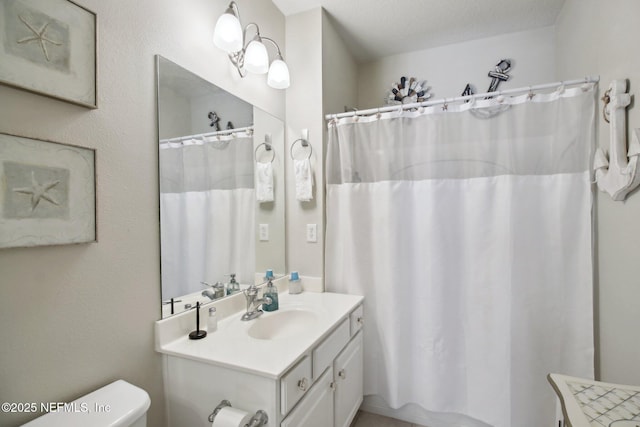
(342, 374)
(303, 384)
(360, 320)
(332, 386)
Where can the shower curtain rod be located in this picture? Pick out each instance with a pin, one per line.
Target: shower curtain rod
(593, 79)
(203, 135)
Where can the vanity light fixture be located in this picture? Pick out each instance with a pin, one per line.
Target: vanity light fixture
(249, 56)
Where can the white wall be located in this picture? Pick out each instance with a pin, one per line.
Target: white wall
(449, 68)
(324, 77)
(77, 317)
(339, 71)
(601, 38)
(304, 111)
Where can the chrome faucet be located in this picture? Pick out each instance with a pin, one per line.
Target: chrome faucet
(253, 303)
(209, 294)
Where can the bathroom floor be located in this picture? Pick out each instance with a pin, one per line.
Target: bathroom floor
(367, 419)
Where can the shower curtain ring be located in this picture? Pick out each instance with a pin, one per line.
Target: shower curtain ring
(531, 94)
(378, 114)
(445, 105)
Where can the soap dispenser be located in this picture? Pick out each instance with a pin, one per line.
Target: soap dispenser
(271, 292)
(233, 286)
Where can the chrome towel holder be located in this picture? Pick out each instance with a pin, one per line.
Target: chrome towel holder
(304, 143)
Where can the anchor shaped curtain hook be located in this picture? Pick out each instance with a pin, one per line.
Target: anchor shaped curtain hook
(617, 173)
(499, 74)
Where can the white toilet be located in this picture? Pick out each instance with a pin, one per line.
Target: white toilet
(127, 407)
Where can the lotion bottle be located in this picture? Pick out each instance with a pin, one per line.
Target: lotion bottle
(271, 292)
(295, 287)
(233, 286)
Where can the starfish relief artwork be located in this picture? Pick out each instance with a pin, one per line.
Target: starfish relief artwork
(47, 192)
(36, 37)
(35, 191)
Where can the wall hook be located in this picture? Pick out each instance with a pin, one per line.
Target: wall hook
(617, 174)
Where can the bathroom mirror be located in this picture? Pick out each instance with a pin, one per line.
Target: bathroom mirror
(211, 224)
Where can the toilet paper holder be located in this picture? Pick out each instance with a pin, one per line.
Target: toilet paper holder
(258, 419)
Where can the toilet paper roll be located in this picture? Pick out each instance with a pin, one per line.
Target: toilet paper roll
(231, 417)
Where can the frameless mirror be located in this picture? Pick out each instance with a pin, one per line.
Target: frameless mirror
(213, 223)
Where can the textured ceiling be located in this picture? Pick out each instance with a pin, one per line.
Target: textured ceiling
(373, 29)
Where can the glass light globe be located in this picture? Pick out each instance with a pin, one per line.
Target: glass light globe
(228, 33)
(278, 77)
(256, 58)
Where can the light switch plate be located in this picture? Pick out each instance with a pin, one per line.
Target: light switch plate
(312, 233)
(263, 230)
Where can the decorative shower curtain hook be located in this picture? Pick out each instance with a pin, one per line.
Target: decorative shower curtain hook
(530, 95)
(378, 114)
(445, 105)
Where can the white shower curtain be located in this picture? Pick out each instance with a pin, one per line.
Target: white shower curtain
(471, 240)
(207, 212)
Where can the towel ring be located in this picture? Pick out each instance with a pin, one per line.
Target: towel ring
(304, 143)
(267, 147)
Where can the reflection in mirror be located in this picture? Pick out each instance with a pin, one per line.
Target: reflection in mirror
(217, 233)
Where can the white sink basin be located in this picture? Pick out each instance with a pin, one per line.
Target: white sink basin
(282, 324)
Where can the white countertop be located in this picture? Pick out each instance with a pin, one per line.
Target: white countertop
(231, 345)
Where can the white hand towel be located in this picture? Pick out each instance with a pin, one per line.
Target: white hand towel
(304, 180)
(264, 182)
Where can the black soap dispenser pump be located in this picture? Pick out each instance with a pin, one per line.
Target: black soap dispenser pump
(198, 334)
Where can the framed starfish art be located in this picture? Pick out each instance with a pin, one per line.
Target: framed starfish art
(49, 47)
(47, 193)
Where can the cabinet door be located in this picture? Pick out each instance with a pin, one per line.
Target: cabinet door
(348, 372)
(316, 408)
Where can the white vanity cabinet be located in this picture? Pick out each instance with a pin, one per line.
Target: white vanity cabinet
(348, 380)
(319, 386)
(336, 396)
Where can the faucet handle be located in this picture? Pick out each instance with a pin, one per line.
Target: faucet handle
(217, 284)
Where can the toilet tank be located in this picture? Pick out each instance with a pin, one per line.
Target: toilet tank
(118, 404)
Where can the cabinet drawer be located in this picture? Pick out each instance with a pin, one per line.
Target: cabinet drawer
(316, 409)
(295, 384)
(356, 319)
(324, 353)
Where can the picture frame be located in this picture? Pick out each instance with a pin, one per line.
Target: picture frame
(49, 47)
(47, 193)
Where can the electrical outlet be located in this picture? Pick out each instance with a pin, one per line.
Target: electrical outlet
(312, 233)
(263, 230)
